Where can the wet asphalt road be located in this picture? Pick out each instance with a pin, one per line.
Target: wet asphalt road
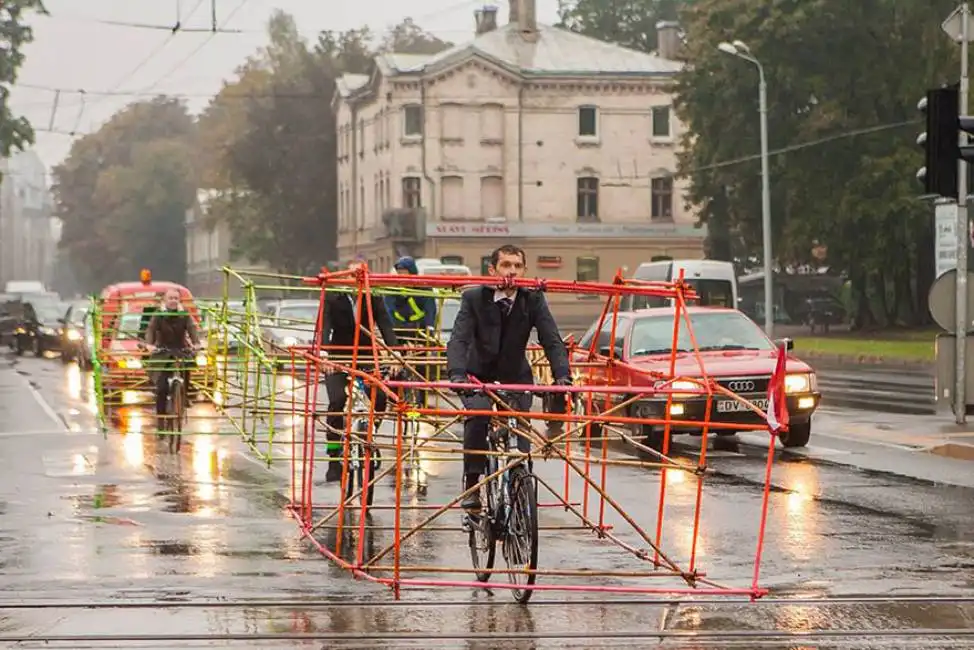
(87, 518)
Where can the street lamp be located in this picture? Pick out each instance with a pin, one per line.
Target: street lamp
(742, 51)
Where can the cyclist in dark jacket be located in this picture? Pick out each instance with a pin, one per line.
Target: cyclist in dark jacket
(170, 329)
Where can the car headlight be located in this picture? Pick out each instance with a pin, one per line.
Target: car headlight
(201, 360)
(682, 386)
(803, 382)
(130, 364)
(74, 335)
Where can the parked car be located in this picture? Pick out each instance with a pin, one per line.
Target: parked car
(734, 351)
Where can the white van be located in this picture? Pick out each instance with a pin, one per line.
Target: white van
(714, 281)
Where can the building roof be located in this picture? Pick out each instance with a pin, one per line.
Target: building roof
(349, 83)
(555, 52)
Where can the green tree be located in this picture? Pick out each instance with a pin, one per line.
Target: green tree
(833, 69)
(15, 34)
(409, 38)
(123, 192)
(630, 23)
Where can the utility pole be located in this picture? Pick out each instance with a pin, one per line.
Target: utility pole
(963, 232)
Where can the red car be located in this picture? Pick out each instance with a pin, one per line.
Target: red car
(735, 353)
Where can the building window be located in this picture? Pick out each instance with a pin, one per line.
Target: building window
(451, 122)
(492, 123)
(412, 121)
(452, 259)
(661, 121)
(452, 201)
(588, 122)
(662, 197)
(412, 196)
(485, 265)
(587, 269)
(491, 197)
(588, 198)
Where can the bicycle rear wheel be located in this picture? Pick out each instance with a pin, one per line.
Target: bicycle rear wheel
(483, 541)
(521, 540)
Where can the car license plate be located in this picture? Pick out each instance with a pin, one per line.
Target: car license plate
(733, 406)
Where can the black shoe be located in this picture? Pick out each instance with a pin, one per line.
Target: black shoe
(471, 503)
(334, 473)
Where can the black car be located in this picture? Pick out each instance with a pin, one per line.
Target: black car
(38, 328)
(74, 331)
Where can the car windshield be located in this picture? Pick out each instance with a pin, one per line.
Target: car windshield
(296, 315)
(78, 314)
(718, 330)
(48, 313)
(449, 309)
(129, 326)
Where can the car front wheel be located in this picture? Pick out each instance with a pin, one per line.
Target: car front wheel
(797, 434)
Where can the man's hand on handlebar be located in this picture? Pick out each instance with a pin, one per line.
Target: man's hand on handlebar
(461, 392)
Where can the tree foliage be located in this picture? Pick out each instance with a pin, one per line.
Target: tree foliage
(269, 142)
(123, 192)
(843, 81)
(15, 34)
(409, 38)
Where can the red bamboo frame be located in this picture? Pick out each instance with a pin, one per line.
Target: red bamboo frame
(314, 515)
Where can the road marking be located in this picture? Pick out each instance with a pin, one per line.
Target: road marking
(45, 406)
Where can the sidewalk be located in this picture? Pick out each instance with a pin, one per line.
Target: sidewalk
(935, 434)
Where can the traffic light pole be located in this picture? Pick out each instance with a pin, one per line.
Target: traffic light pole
(963, 235)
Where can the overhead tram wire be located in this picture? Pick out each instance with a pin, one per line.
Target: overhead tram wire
(175, 29)
(217, 29)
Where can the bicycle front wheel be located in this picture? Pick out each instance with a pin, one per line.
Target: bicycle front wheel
(521, 541)
(178, 407)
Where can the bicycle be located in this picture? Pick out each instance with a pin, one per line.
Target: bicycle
(510, 511)
(175, 414)
(361, 406)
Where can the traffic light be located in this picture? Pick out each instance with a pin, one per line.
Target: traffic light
(940, 141)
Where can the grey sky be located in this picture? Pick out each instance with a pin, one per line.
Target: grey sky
(73, 51)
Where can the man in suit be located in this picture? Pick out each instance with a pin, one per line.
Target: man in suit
(489, 341)
(338, 328)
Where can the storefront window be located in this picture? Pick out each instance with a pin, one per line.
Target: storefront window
(485, 265)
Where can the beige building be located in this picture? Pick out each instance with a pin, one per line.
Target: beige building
(528, 134)
(28, 231)
(208, 250)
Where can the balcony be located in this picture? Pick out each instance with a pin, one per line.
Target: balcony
(403, 225)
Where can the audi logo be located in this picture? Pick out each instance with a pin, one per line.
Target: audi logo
(741, 385)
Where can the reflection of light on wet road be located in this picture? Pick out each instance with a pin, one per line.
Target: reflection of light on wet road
(799, 522)
(209, 461)
(75, 382)
(92, 401)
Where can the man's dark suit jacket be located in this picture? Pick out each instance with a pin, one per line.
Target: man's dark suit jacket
(475, 346)
(339, 324)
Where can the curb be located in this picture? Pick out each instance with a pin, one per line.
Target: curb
(859, 360)
(954, 450)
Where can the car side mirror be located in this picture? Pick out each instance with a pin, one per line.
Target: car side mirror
(785, 344)
(606, 351)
